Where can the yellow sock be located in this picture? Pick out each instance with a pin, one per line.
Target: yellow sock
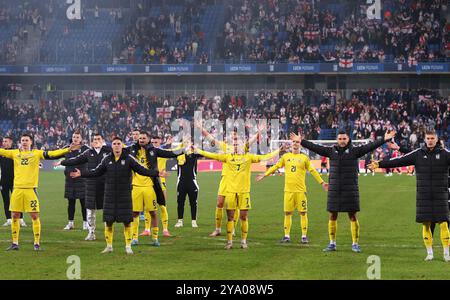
(155, 231)
(164, 217)
(236, 217)
(304, 224)
(427, 236)
(37, 230)
(15, 230)
(148, 220)
(354, 226)
(287, 225)
(135, 228)
(444, 236)
(219, 215)
(332, 229)
(230, 226)
(109, 235)
(244, 229)
(127, 232)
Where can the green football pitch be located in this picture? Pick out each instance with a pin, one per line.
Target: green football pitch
(388, 230)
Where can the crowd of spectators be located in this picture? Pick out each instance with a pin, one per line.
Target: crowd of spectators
(364, 114)
(158, 37)
(266, 31)
(18, 22)
(299, 31)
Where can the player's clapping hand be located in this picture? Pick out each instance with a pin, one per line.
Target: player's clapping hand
(163, 173)
(57, 164)
(260, 177)
(325, 186)
(75, 173)
(389, 135)
(373, 165)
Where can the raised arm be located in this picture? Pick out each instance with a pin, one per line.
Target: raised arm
(319, 149)
(55, 154)
(98, 171)
(168, 153)
(258, 158)
(272, 169)
(7, 153)
(216, 156)
(77, 160)
(406, 160)
(254, 138)
(313, 172)
(138, 168)
(394, 146)
(363, 150)
(208, 136)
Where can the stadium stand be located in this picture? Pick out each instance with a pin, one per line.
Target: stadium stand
(263, 31)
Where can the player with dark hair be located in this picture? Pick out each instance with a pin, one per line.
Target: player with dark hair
(7, 180)
(24, 197)
(117, 168)
(343, 193)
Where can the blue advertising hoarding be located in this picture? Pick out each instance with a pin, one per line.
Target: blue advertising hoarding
(303, 68)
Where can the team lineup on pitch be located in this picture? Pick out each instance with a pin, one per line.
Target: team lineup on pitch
(119, 163)
(237, 142)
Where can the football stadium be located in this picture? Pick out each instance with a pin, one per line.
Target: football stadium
(225, 140)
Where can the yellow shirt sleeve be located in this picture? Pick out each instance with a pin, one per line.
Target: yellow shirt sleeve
(216, 156)
(7, 153)
(313, 171)
(275, 167)
(258, 158)
(56, 153)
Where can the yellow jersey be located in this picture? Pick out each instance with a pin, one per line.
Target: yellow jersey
(139, 180)
(225, 149)
(26, 165)
(295, 167)
(239, 168)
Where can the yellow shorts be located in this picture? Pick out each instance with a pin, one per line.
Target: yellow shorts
(295, 200)
(163, 185)
(238, 200)
(144, 198)
(222, 187)
(24, 200)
